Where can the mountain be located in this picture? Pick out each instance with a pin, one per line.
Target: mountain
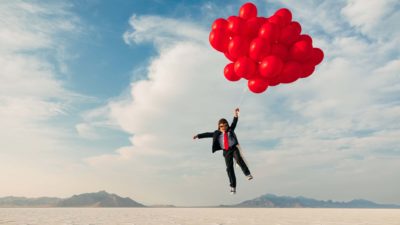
(28, 202)
(273, 201)
(104, 199)
(99, 199)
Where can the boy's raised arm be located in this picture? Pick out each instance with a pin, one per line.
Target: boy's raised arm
(235, 118)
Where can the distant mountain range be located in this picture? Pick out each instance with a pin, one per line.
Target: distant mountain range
(99, 199)
(104, 199)
(273, 201)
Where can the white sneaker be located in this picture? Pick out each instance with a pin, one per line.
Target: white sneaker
(249, 177)
(233, 190)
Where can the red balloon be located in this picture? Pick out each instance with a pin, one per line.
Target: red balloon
(245, 67)
(257, 85)
(265, 51)
(248, 11)
(317, 55)
(307, 70)
(229, 72)
(238, 47)
(280, 50)
(289, 34)
(259, 48)
(290, 72)
(305, 37)
(270, 66)
(296, 26)
(301, 51)
(273, 81)
(252, 27)
(229, 57)
(277, 20)
(269, 31)
(285, 14)
(219, 40)
(236, 25)
(220, 24)
(262, 20)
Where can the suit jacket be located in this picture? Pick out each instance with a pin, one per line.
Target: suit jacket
(215, 135)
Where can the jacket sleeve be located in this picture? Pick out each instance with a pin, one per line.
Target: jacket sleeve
(234, 122)
(206, 135)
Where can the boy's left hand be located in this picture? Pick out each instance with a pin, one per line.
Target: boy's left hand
(236, 113)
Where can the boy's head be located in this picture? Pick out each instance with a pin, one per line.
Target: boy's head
(223, 125)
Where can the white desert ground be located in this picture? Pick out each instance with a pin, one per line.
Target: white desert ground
(197, 216)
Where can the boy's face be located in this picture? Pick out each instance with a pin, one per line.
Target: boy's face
(223, 127)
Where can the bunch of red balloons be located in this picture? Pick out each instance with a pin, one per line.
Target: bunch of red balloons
(265, 51)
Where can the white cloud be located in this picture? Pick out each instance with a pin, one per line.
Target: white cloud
(27, 81)
(26, 25)
(96, 123)
(33, 148)
(148, 28)
(86, 131)
(369, 15)
(27, 75)
(316, 17)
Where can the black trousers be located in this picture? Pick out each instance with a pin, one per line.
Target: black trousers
(233, 152)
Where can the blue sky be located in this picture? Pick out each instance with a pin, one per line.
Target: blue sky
(106, 95)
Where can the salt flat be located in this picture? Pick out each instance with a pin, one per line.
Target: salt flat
(197, 216)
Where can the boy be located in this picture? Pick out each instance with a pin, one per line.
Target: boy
(224, 138)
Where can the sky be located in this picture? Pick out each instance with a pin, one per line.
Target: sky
(107, 95)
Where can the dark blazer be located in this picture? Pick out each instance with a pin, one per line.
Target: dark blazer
(214, 135)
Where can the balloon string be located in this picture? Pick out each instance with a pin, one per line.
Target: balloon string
(242, 96)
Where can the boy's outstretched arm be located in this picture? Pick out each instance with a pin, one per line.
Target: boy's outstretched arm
(204, 135)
